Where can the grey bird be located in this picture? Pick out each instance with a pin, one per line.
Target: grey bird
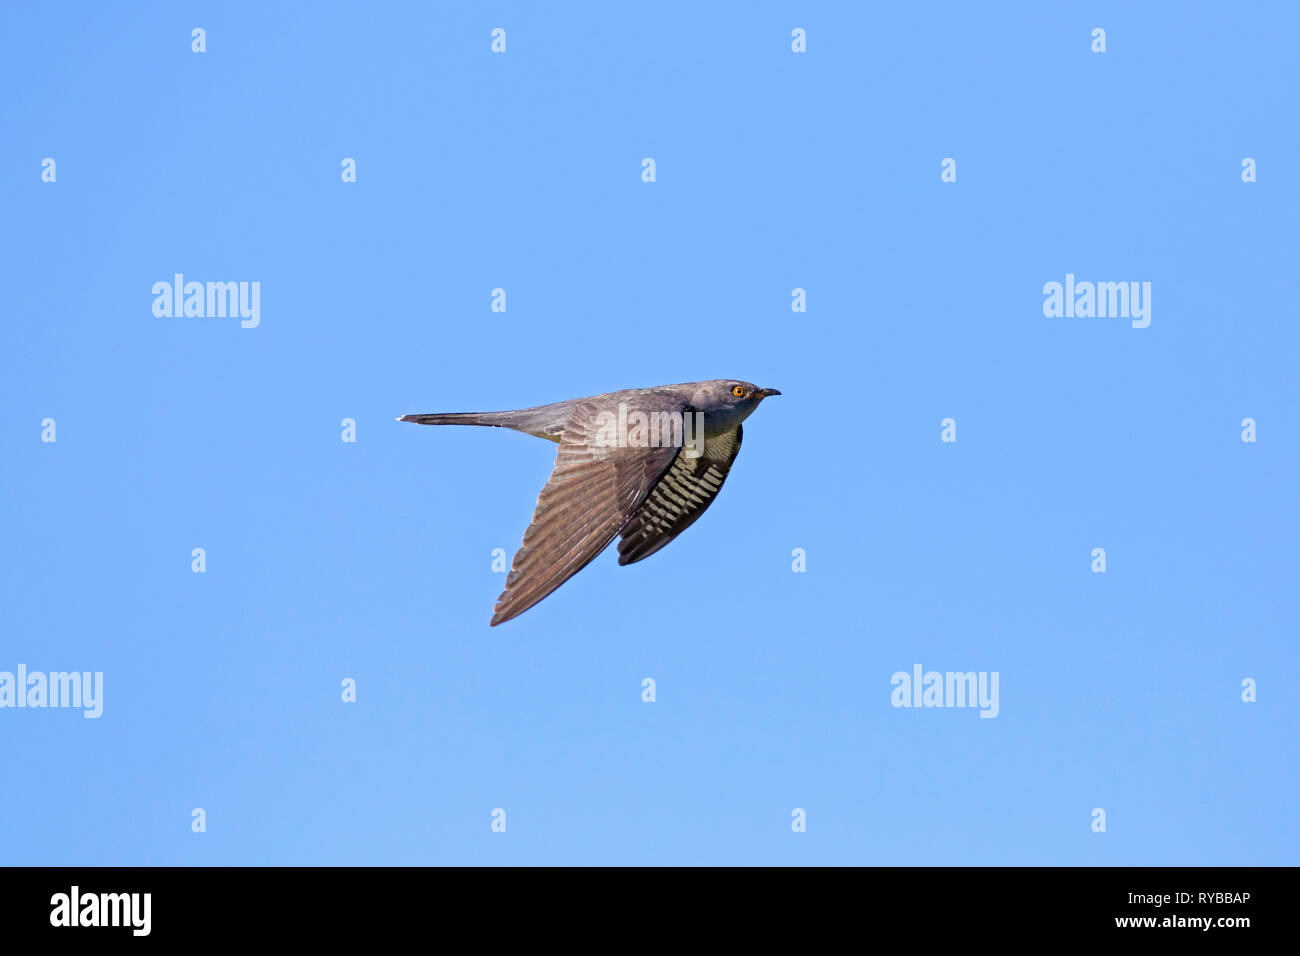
(643, 464)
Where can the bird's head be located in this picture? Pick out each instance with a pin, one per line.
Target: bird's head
(727, 402)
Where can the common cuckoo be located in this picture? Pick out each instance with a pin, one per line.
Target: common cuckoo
(642, 464)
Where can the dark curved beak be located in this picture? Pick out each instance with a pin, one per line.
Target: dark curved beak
(765, 392)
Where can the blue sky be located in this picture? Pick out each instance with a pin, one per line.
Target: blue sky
(372, 560)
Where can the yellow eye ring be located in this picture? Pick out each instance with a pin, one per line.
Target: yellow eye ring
(738, 391)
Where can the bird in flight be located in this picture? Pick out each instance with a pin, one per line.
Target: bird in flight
(641, 464)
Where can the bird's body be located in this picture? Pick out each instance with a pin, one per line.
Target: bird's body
(641, 463)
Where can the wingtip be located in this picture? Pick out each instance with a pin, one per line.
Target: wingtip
(500, 615)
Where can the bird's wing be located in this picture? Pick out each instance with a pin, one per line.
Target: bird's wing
(591, 494)
(680, 496)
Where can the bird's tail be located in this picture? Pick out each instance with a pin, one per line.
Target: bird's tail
(545, 421)
(496, 419)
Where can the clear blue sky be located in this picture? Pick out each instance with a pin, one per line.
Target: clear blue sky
(775, 170)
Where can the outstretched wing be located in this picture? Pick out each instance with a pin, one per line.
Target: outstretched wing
(680, 496)
(592, 492)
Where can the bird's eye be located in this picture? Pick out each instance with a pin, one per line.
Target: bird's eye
(738, 391)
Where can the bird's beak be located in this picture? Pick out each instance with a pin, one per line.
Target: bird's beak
(765, 392)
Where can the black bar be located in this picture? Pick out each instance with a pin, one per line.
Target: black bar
(334, 905)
